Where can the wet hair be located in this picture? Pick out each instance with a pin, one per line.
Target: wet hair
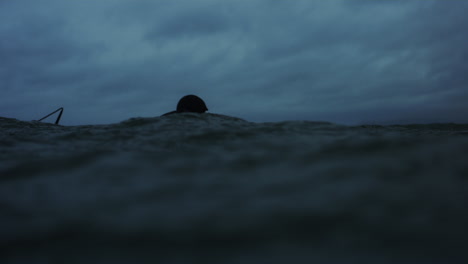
(190, 103)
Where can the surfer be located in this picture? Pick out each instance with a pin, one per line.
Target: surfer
(190, 103)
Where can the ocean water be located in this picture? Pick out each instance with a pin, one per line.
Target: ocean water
(206, 188)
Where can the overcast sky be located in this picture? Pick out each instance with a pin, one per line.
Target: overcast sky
(344, 61)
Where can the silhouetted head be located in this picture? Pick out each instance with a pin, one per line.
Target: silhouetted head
(191, 103)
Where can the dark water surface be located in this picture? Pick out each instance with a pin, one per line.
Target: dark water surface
(206, 188)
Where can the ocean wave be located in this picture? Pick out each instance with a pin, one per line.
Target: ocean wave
(223, 189)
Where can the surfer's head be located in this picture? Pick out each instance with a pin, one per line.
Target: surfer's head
(191, 103)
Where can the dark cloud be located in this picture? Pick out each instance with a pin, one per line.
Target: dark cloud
(191, 24)
(346, 61)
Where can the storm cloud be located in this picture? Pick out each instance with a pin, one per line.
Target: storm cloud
(344, 61)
